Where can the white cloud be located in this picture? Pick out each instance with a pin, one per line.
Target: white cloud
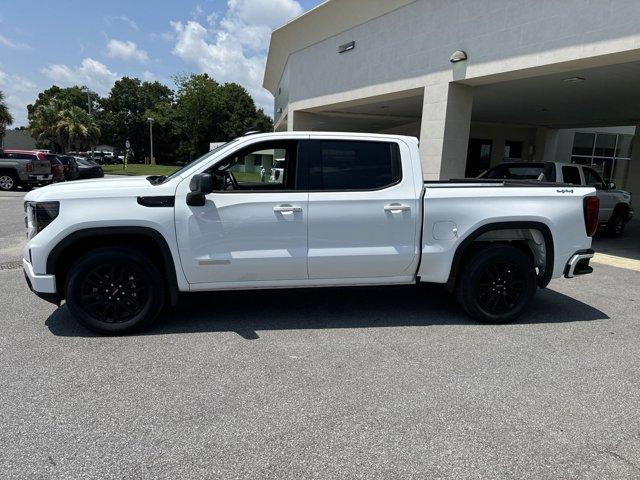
(148, 76)
(126, 51)
(233, 48)
(123, 19)
(90, 72)
(19, 92)
(4, 41)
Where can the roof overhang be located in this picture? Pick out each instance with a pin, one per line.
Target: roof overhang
(324, 21)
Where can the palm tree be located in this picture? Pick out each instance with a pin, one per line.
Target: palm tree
(5, 116)
(76, 128)
(43, 124)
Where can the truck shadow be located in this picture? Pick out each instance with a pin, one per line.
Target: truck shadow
(248, 312)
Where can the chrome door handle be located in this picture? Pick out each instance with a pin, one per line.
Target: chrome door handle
(286, 209)
(396, 208)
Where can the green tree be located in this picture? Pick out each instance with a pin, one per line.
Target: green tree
(76, 128)
(209, 112)
(198, 114)
(44, 113)
(123, 115)
(43, 121)
(5, 117)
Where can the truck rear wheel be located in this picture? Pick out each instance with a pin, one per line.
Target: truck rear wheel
(8, 181)
(115, 290)
(497, 284)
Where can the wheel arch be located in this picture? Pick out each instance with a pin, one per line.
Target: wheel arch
(467, 246)
(623, 207)
(145, 239)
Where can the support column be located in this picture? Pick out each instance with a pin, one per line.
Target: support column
(444, 133)
(633, 180)
(302, 121)
(550, 152)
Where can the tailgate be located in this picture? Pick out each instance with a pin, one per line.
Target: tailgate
(41, 167)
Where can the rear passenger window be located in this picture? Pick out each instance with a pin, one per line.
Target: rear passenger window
(571, 175)
(347, 165)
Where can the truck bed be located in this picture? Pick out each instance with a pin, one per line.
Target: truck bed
(457, 211)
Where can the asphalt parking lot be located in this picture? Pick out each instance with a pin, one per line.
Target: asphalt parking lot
(336, 383)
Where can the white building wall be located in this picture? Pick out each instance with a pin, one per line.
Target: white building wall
(499, 35)
(504, 39)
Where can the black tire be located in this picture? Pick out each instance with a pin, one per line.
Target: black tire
(616, 224)
(497, 284)
(8, 181)
(133, 294)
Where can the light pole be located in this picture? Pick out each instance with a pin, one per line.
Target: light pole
(89, 110)
(151, 139)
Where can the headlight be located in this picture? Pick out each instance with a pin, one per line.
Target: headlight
(39, 215)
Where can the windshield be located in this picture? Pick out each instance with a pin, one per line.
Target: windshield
(193, 163)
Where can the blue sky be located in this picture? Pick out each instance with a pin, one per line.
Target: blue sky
(95, 42)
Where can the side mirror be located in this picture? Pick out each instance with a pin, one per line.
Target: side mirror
(200, 185)
(611, 186)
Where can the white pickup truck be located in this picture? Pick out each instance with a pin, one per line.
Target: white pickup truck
(349, 209)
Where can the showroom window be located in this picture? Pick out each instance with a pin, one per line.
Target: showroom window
(607, 153)
(512, 150)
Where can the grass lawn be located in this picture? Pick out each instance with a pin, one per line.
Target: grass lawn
(140, 169)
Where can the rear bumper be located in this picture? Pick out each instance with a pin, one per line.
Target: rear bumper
(43, 286)
(578, 264)
(35, 178)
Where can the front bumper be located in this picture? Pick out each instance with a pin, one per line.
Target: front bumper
(578, 264)
(43, 286)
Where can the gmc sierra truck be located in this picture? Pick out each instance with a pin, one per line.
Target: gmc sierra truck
(348, 209)
(23, 168)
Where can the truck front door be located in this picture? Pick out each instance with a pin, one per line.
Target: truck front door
(253, 228)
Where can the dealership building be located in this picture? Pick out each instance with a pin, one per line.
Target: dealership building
(477, 81)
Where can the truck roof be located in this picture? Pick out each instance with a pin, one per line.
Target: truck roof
(316, 134)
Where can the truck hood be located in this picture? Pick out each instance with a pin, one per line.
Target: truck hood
(101, 187)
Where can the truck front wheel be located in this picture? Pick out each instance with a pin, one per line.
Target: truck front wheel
(114, 290)
(497, 284)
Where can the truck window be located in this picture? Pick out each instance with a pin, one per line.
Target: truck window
(265, 166)
(592, 178)
(571, 175)
(352, 165)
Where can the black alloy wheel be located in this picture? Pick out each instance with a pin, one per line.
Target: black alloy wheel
(497, 284)
(500, 287)
(115, 290)
(114, 293)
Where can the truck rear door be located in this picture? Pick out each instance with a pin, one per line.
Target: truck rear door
(363, 209)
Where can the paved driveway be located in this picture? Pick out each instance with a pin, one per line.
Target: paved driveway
(332, 383)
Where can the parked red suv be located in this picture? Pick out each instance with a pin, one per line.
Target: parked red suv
(57, 168)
